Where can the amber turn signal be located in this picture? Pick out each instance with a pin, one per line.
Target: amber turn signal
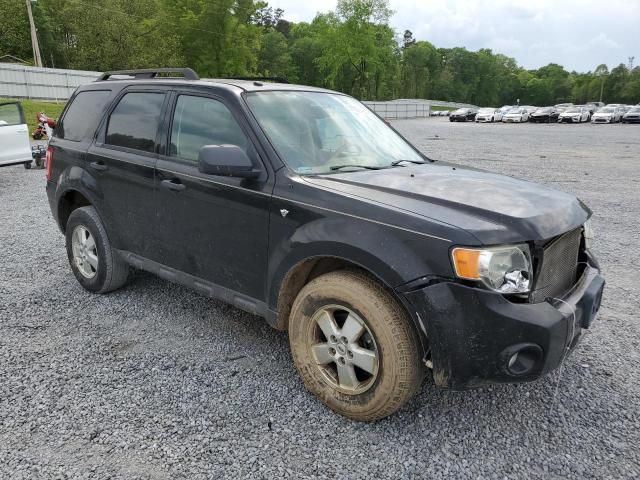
(466, 264)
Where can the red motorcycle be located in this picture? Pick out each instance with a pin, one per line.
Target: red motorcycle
(45, 127)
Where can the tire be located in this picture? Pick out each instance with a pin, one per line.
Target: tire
(27, 165)
(388, 333)
(110, 271)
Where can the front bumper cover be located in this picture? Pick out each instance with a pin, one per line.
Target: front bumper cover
(472, 333)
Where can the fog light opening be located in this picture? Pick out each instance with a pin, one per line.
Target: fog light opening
(524, 361)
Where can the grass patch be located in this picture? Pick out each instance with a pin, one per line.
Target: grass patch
(33, 107)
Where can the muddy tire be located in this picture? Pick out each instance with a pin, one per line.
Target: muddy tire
(95, 264)
(354, 346)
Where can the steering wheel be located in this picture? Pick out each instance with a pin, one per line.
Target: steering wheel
(347, 148)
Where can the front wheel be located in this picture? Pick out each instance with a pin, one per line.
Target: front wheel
(354, 346)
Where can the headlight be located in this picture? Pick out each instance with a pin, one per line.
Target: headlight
(588, 234)
(501, 269)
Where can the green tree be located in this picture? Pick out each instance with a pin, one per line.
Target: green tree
(274, 58)
(15, 39)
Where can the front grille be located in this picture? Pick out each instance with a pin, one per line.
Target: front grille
(558, 268)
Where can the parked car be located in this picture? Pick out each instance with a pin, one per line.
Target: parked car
(15, 147)
(607, 115)
(545, 115)
(575, 114)
(516, 115)
(488, 115)
(632, 116)
(300, 205)
(463, 115)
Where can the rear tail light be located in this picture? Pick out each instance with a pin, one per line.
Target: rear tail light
(49, 163)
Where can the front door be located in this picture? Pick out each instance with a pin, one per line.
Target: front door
(14, 135)
(211, 227)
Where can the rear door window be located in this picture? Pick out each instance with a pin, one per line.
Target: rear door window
(134, 122)
(200, 121)
(82, 116)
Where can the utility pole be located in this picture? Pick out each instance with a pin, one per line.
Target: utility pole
(631, 59)
(34, 37)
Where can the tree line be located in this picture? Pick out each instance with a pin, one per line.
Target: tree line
(352, 49)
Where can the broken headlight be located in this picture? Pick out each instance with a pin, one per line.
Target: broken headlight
(504, 269)
(588, 234)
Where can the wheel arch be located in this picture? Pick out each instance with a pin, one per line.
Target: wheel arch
(69, 201)
(307, 269)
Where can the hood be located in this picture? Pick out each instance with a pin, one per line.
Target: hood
(570, 114)
(494, 208)
(603, 114)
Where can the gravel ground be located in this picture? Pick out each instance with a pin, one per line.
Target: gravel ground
(154, 381)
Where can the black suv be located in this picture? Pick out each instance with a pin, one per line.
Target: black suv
(302, 206)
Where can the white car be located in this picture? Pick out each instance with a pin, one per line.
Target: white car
(607, 115)
(516, 115)
(575, 115)
(15, 147)
(488, 115)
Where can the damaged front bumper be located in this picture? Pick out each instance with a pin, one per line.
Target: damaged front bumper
(478, 337)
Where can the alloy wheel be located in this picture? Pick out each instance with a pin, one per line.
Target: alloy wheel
(85, 251)
(344, 349)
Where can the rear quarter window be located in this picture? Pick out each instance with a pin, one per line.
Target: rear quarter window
(82, 116)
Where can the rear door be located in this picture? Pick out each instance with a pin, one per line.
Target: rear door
(122, 161)
(212, 227)
(14, 135)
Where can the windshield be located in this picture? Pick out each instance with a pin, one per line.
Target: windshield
(573, 110)
(606, 110)
(634, 110)
(515, 110)
(317, 133)
(461, 110)
(543, 110)
(486, 110)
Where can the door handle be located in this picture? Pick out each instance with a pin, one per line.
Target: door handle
(173, 185)
(100, 166)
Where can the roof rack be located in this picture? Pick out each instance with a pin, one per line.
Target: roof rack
(259, 79)
(149, 73)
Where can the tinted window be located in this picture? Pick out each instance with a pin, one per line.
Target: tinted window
(83, 115)
(199, 121)
(10, 114)
(134, 122)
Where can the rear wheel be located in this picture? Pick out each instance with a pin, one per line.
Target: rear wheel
(27, 165)
(95, 264)
(354, 346)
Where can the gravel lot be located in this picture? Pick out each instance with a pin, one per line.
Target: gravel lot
(154, 381)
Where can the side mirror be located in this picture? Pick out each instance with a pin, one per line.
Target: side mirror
(227, 161)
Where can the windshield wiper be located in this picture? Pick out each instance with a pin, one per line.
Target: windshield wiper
(398, 162)
(366, 167)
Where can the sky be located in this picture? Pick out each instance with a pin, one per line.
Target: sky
(578, 34)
